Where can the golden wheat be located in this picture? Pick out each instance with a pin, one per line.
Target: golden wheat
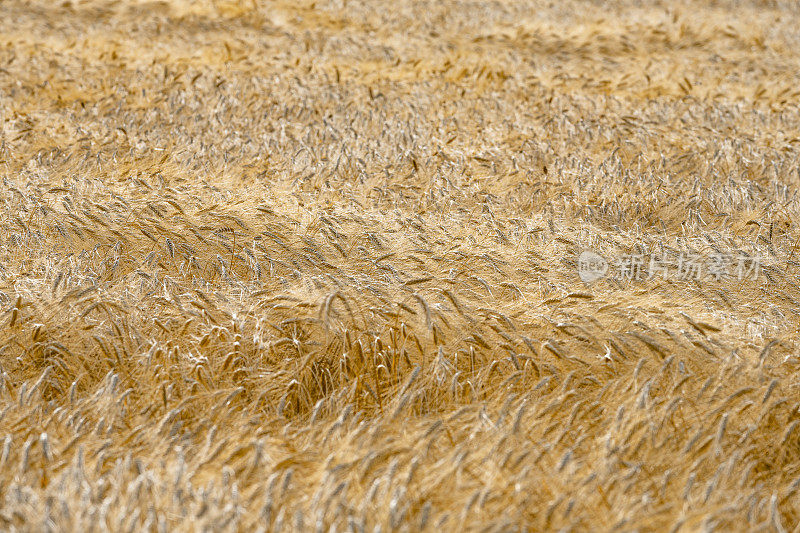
(314, 265)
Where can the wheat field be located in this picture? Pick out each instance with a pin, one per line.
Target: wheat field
(313, 266)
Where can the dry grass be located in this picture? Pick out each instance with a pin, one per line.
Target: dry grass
(312, 266)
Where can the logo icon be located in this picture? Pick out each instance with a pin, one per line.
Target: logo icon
(591, 266)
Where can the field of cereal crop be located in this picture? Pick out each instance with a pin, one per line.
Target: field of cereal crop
(398, 266)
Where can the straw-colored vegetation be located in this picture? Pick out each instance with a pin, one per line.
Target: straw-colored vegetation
(312, 266)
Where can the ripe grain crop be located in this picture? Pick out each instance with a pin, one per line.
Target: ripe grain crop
(312, 266)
